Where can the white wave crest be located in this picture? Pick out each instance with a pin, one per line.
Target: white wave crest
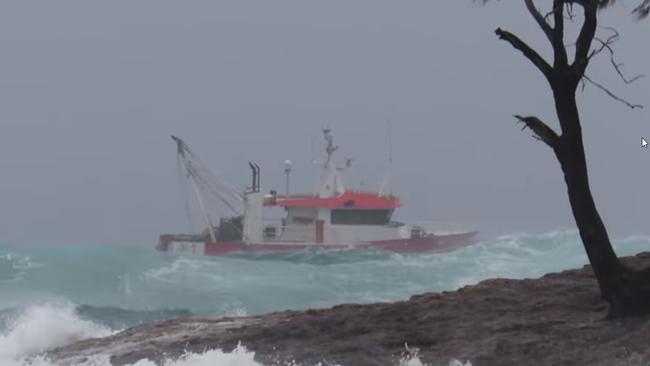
(15, 265)
(238, 357)
(38, 328)
(549, 235)
(411, 358)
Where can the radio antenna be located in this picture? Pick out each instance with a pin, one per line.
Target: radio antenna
(385, 186)
(390, 143)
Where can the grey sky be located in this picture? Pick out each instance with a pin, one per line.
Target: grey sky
(91, 91)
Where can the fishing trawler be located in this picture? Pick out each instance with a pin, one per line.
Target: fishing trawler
(333, 217)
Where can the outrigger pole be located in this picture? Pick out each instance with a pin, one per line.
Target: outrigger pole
(191, 172)
(208, 221)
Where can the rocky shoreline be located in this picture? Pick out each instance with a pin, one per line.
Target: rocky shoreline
(558, 319)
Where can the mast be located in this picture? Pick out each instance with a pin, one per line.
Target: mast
(330, 148)
(331, 184)
(287, 173)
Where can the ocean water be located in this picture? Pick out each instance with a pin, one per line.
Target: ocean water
(51, 295)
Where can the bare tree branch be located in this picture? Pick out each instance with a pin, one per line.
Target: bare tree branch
(607, 45)
(530, 54)
(548, 31)
(617, 67)
(554, 34)
(641, 11)
(583, 43)
(540, 130)
(559, 51)
(612, 95)
(569, 11)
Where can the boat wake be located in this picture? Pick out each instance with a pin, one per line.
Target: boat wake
(320, 257)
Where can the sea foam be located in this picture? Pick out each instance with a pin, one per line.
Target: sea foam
(38, 328)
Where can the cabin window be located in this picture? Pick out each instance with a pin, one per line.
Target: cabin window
(301, 216)
(303, 220)
(360, 217)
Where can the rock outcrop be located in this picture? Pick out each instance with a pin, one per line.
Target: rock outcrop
(558, 319)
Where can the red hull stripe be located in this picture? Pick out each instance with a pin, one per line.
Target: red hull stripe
(421, 245)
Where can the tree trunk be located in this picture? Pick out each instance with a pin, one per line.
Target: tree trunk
(627, 291)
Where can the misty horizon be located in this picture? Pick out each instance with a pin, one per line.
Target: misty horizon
(92, 92)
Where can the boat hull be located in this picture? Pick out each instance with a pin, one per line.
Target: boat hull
(441, 243)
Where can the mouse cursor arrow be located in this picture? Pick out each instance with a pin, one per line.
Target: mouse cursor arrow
(644, 143)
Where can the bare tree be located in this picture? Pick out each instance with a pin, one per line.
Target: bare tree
(627, 291)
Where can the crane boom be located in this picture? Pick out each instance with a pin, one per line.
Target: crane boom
(204, 181)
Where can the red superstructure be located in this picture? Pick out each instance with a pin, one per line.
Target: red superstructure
(369, 200)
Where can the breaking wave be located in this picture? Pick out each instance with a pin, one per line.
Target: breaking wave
(43, 327)
(38, 328)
